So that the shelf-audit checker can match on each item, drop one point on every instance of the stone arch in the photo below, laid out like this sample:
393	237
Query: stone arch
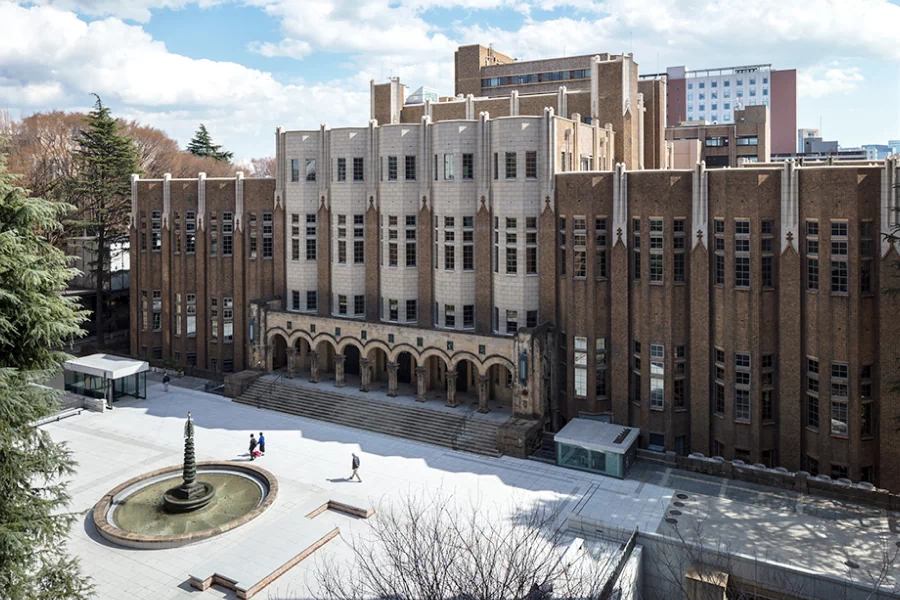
406	365
464	355
501	382
427	353
298	335
379	357
496	359
325	346
274	331
467	373
373	345
278	351
341	345
399	349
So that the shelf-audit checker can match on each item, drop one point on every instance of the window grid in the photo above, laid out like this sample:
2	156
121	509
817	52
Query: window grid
656	251
812	255
839	257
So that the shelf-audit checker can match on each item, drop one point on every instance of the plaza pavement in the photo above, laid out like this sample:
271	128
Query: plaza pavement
307	457
310	456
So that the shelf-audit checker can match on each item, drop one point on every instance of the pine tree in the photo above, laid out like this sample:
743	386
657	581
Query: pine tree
35	320
106	160
202	145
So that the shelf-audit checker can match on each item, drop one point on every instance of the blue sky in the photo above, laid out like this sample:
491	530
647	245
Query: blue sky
244	67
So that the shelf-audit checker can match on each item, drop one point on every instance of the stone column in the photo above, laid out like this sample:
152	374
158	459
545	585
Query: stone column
392	379
365	373
451	388
420	384
314	367
339	370
483	387
291	356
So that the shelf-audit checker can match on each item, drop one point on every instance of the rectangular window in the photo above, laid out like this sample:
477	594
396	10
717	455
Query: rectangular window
411	314
496	167
600	361
839	257
657	372
449	316
469	316
768	405
636	250
311	237
448	167
342	304
359	305
358	170
600	256
342	169
512	263
392	168
510	165
468	166
720	398
359	252
512	322
268	228
227	234
531	164
295	170
155	231
312	301
190	232
295	300
410	168
579	233
656	250
580	366
531	318
449	257
812	411
742	254
310	169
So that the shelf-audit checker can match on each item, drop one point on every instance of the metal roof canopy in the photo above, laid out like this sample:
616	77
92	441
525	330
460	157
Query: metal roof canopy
597	435
106	365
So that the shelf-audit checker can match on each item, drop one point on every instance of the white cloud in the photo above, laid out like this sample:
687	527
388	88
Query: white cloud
820	81
136	10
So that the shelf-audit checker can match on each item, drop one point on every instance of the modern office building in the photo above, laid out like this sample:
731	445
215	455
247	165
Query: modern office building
712	95
732	312
747	139
802	134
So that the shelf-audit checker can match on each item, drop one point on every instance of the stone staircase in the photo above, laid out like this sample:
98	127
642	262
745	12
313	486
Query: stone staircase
455	431
546	453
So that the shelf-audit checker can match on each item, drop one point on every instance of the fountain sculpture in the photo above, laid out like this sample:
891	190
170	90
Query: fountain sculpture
191	494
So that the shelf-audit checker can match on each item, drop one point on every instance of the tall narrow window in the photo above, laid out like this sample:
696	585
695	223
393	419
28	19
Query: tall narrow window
177	221
359	305
742	387
295	300
143	218
342	169
531	164
719	231
342	239
311	236
228	319
468	244
531	247
512	253
812	392
839	257
720	381
679	242
411	311
579	241
449	173
310	169
812	255
155	231
214	319
657	376
600	366
840	397
636	250
213	234
742	254
190	232
600	256
510	165
157	310
191	312
656	250
468	316
295	170
177	314
295	236
496	166
449	316
227	233
358	171
410	168
267	229
512	322
636	371
767	248
562	246
359	243
312	301
468	166
580	366
342	304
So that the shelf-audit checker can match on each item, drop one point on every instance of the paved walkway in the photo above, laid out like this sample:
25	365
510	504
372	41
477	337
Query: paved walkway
307	457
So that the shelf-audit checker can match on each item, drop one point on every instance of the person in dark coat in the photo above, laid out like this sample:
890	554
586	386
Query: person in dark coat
262	443
253	444
166	382
355	465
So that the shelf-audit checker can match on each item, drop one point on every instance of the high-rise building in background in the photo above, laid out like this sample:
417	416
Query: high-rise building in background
712	95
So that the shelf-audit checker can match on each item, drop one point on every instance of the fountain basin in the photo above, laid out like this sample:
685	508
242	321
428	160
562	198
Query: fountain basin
134	514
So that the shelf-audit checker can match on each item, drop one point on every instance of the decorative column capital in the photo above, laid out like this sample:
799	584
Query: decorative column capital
339	358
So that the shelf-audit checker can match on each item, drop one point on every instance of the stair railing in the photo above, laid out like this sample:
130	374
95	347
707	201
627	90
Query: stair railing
461	428
269	389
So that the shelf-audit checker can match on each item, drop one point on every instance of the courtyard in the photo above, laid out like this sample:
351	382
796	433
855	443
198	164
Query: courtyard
312	458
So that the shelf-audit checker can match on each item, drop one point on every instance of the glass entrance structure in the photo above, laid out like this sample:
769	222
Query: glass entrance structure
597	447
106	376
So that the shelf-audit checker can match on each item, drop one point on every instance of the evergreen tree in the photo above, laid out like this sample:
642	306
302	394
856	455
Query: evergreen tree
202	145
106	158
35	319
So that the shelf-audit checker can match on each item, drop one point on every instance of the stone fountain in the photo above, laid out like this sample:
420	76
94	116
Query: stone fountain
191	494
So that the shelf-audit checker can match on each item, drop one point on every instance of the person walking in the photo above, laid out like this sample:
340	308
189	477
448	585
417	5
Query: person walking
166	381
262	444
253	444
355	465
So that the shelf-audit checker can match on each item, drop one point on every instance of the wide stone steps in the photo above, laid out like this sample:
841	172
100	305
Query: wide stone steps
419	424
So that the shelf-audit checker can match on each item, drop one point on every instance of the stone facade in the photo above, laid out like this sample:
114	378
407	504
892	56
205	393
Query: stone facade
747	140
519	258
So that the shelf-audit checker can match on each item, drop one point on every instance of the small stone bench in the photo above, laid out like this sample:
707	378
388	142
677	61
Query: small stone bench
262	558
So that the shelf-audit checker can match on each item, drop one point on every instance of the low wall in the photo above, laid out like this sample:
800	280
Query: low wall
666	560
237	383
800	482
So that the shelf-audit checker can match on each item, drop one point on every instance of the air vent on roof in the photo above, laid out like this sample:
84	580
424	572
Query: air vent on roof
622	435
